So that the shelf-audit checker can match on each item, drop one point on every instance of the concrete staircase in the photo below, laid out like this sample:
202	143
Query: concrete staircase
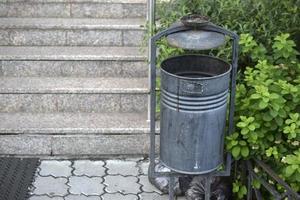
73	80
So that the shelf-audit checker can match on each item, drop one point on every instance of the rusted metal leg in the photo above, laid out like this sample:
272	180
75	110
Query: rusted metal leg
207	187
171	188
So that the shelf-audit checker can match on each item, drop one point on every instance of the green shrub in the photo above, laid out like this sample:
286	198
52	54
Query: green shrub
268	90
262	19
267	108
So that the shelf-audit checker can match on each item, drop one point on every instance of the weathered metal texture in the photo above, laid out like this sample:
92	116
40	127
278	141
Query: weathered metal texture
196	40
194	93
152	66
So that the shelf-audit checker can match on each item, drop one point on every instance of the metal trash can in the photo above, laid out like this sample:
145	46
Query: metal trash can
194	93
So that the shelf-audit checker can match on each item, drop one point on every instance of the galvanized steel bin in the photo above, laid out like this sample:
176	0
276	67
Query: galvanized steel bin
194	91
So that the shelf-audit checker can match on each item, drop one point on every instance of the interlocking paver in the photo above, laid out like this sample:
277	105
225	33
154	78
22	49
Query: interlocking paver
86	185
144	167
82	197
153	196
124	180
50	186
45	198
124	185
55	168
147	186
122	167
119	197
89	168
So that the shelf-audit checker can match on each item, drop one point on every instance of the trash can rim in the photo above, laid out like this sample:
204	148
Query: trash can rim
193	78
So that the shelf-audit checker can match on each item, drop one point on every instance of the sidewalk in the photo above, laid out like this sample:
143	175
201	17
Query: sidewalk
94	180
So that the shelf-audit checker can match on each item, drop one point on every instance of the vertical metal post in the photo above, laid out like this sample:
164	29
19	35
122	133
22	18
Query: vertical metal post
152	101
151	21
207	187
171	188
249	194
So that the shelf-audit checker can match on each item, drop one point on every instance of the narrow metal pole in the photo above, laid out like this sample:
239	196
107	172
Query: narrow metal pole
207	187
249	194
151	24
171	188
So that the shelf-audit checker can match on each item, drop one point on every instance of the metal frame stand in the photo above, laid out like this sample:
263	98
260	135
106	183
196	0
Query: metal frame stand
172	195
153	56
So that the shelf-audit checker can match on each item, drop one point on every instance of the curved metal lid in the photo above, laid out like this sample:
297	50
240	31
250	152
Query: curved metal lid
196	39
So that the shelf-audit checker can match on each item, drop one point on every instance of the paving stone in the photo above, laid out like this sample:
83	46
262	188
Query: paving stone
134	69
101	145
4	36
134	103
89	168
23	9
72	53
85	185
55	168
155	196
45	198
42	103
117	124
144	167
122	167
124	185
51	186
134	10
25	145
133	38
147	186
118	196
37	37
82	197
95	38
74	68
3	10
97	10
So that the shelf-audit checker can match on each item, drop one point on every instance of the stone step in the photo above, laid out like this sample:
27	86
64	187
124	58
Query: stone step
71	32
74	134
45	95
73	62
70	68
55	53
74	8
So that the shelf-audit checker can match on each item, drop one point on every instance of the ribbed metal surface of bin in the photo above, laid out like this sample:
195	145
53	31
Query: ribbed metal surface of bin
194	93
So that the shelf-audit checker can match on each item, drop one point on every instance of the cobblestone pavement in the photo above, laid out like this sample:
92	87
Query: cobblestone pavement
94	180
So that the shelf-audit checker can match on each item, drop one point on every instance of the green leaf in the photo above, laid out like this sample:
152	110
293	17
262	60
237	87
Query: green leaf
279	121
241	124
282	113
274	96
255	96
289	171
244	131
256	184
273	113
262	105
245	151
236	151
235	188
267	117
251	127
242	191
